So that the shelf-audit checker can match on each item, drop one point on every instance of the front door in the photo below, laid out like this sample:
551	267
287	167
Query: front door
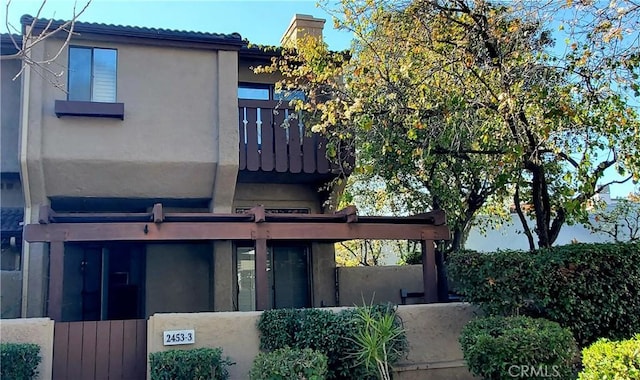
288	277
103	282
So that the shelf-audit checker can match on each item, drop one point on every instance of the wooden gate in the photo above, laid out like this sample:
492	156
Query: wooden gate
100	350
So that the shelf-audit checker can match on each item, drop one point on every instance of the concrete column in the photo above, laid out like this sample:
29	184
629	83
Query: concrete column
224	281
323	272
224	184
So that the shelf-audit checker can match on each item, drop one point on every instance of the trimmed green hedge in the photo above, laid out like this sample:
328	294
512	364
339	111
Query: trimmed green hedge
192	364
289	363
517	347
612	360
592	289
322	330
19	361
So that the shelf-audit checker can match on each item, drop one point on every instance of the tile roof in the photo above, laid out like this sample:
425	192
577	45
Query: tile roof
11	221
233	39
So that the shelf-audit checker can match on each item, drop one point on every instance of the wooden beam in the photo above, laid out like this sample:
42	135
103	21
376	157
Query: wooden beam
437	217
262	284
56	273
139	231
258	213
429	275
44	214
158	215
351	212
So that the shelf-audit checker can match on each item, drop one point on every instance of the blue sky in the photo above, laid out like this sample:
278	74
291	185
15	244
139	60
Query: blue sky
261	22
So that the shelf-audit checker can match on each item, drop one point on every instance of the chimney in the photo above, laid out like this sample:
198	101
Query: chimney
300	26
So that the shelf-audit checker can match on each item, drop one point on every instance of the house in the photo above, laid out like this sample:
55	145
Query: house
12	202
158	177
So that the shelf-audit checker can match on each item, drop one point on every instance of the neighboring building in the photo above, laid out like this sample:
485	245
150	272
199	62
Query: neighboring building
150	165
11	199
511	236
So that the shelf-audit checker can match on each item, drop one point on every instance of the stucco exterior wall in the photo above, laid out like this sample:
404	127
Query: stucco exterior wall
32	330
169	136
10	293
323	272
377	283
274	195
234	332
432	332
9	116
179	278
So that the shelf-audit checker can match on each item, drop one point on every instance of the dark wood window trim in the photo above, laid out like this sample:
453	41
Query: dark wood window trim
90	109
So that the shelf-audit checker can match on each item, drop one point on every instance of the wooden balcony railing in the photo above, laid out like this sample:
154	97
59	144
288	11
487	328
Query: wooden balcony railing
268	145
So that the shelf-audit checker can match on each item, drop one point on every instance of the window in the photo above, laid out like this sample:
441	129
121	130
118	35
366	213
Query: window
257	91
287	275
92	74
254	92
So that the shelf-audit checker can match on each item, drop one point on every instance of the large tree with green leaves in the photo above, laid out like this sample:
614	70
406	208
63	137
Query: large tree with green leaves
464	105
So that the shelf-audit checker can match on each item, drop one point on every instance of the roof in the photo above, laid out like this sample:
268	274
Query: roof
11	221
7	43
229	40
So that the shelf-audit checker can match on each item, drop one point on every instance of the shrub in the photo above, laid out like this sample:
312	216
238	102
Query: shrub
380	339
289	363
501	283
322	330
19	361
592	289
193	364
611	360
507	347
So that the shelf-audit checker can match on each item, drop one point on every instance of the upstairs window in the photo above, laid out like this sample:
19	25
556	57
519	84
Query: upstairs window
92	74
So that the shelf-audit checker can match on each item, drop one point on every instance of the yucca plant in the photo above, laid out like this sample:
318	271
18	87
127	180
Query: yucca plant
379	338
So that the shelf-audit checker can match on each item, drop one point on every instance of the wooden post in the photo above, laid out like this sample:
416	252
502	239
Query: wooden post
56	273
429	274
262	285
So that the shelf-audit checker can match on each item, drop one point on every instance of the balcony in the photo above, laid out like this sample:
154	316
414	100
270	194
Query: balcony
271	151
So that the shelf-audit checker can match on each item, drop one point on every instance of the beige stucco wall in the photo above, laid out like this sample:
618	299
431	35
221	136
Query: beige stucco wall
432	332
377	283
32	330
10	293
9	116
323	272
234	332
175	105
179	278
274	195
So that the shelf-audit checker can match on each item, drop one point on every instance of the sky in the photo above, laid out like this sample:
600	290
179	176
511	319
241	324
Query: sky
260	21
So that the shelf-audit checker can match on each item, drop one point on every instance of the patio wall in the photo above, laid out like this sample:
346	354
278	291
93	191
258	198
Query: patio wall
358	285
32	330
432	331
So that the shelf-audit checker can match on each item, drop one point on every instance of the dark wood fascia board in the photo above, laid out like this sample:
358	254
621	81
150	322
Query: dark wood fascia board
231	41
167	42
89	109
167	231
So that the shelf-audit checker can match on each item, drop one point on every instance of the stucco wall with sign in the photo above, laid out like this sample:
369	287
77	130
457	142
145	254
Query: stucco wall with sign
432	332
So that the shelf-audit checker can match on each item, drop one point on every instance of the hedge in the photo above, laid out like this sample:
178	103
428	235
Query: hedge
322	330
19	361
612	360
289	363
192	364
517	347
592	289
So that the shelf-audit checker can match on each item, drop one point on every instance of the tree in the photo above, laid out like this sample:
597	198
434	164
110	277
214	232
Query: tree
620	221
463	105
25	38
